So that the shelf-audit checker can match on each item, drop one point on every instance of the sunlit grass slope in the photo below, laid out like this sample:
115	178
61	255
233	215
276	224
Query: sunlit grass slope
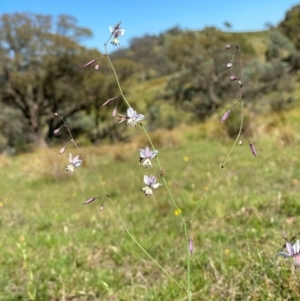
55	248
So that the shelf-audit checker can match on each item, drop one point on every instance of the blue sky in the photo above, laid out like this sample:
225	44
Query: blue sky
140	17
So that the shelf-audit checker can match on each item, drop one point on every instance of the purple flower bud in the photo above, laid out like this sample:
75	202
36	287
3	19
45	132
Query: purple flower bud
62	150
233	77
90	200
109	100
225	116
90	63
241	139
191	246
56	131
114	113
252	149
228	46
229	65
97	67
56	114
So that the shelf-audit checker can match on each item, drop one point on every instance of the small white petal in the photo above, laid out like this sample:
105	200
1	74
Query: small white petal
151	180
74	159
289	248
155	185
69	169
147	152
131	112
131	121
296	247
111	29
115	41
139	117
154	154
297	261
147	190
142	153
147	163
146	180
77	163
284	254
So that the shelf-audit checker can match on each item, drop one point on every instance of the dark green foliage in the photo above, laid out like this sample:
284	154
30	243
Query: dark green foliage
278	46
203	83
41	72
290	26
150	52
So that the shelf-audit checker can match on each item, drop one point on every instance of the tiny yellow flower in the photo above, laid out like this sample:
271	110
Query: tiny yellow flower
186	158
227	251
22	238
1	204
177	211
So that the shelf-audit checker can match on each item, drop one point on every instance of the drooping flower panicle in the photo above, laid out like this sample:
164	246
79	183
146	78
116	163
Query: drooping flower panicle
292	251
132	117
150	181
146	155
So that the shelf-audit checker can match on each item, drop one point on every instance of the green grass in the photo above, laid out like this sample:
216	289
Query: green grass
78	252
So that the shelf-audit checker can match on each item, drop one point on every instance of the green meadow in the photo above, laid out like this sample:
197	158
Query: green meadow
55	248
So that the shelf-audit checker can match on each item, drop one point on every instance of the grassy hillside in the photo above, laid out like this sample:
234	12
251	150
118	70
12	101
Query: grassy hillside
55	248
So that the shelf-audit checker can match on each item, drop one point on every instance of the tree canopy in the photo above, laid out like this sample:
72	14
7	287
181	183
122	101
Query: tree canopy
41	73
290	26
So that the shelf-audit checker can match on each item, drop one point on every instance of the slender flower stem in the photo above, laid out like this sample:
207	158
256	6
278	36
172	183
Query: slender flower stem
189	295
145	131
188	256
120	216
223	164
160	167
116	76
184	223
271	264
233	145
188	292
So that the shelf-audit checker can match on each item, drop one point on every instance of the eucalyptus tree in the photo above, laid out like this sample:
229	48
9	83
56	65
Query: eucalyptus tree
41	72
